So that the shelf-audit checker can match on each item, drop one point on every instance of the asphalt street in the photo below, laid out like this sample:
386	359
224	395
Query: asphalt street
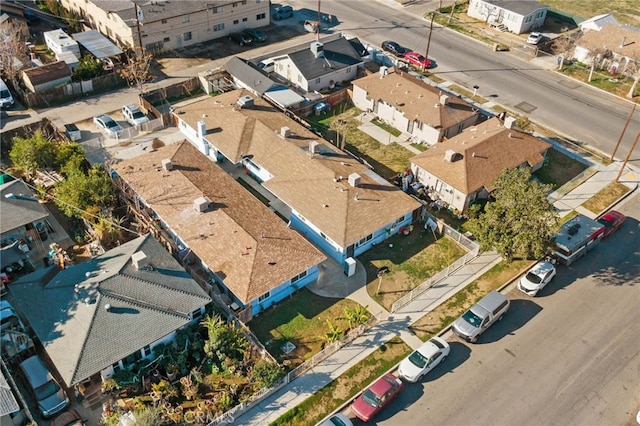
570	356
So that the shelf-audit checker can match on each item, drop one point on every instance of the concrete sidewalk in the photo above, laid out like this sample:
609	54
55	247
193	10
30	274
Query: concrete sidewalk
334	284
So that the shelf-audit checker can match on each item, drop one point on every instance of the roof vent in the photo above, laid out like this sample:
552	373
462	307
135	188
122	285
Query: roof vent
245	101
450	155
201	204
107	307
317	49
285	132
573	229
354	180
167	165
11	195
139	260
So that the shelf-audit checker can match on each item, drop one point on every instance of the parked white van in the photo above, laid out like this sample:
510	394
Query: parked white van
476	320
6	99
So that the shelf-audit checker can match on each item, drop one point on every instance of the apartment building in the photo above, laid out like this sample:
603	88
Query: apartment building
165	25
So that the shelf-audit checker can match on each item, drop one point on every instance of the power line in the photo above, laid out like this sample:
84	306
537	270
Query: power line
103	218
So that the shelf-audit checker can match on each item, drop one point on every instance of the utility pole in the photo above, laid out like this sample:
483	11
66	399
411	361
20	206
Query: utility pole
623	131
319	20
633	146
138	14
433	15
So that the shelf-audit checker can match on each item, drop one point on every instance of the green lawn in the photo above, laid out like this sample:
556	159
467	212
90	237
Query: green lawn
301	320
346	386
559	169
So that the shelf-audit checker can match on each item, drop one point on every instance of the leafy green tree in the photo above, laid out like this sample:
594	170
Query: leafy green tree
267	373
224	341
356	316
334	334
521	222
88	67
32	153
69	152
79	191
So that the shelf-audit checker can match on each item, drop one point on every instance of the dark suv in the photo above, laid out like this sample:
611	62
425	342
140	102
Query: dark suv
243	39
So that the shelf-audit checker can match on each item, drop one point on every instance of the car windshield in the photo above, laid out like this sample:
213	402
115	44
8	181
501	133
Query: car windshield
370	398
137	114
4	93
534	278
418	359
337	421
110	123
605	222
10	322
472	318
46	390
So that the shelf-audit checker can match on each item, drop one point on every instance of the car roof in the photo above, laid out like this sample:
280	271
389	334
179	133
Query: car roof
131	106
428	349
104	117
612	215
542	267
381	386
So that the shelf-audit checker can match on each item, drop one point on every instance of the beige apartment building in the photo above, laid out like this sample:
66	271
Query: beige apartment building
164	25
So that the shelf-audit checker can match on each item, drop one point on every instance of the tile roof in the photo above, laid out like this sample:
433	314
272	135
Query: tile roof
305	184
68	311
416	99
338	54
250	248
487	149
48	72
611	37
21	208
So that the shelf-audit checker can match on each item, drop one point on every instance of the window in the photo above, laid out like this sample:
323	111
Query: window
131	359
317	81
264	296
298	277
164	21
245	19
218	27
236	22
116	367
166	39
348	69
299	78
261	16
187	36
146	351
196	314
217	9
235	4
185	19
398	221
364	240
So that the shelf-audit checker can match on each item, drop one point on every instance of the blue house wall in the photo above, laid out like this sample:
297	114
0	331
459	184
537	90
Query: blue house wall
283	291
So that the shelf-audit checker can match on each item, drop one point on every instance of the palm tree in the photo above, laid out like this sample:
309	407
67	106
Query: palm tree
356	316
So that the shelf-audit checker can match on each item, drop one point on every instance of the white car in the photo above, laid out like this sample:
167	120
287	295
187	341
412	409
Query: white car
107	125
133	115
423	360
337	419
534	38
537	277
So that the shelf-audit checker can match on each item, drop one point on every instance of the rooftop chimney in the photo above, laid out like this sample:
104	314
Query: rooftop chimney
313	147
383	71
354	180
201	204
508	122
450	155
139	260
623	40
317	49
167	165
285	132
443	99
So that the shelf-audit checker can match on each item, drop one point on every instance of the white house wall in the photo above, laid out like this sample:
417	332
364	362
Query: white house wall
514	22
450	195
287	70
179	31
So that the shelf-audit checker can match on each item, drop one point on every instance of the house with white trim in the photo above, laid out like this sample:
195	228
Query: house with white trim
517	16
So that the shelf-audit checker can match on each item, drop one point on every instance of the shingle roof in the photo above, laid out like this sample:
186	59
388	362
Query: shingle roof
47	73
416	99
311	186
240	239
21	208
611	37
486	149
338	54
250	76
521	7
68	311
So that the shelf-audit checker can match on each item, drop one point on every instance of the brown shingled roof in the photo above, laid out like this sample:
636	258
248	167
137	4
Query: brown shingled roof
486	149
416	99
611	37
240	239
49	72
311	186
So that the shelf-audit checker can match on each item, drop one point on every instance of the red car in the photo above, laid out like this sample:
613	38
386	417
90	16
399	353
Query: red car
611	220
376	397
414	58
